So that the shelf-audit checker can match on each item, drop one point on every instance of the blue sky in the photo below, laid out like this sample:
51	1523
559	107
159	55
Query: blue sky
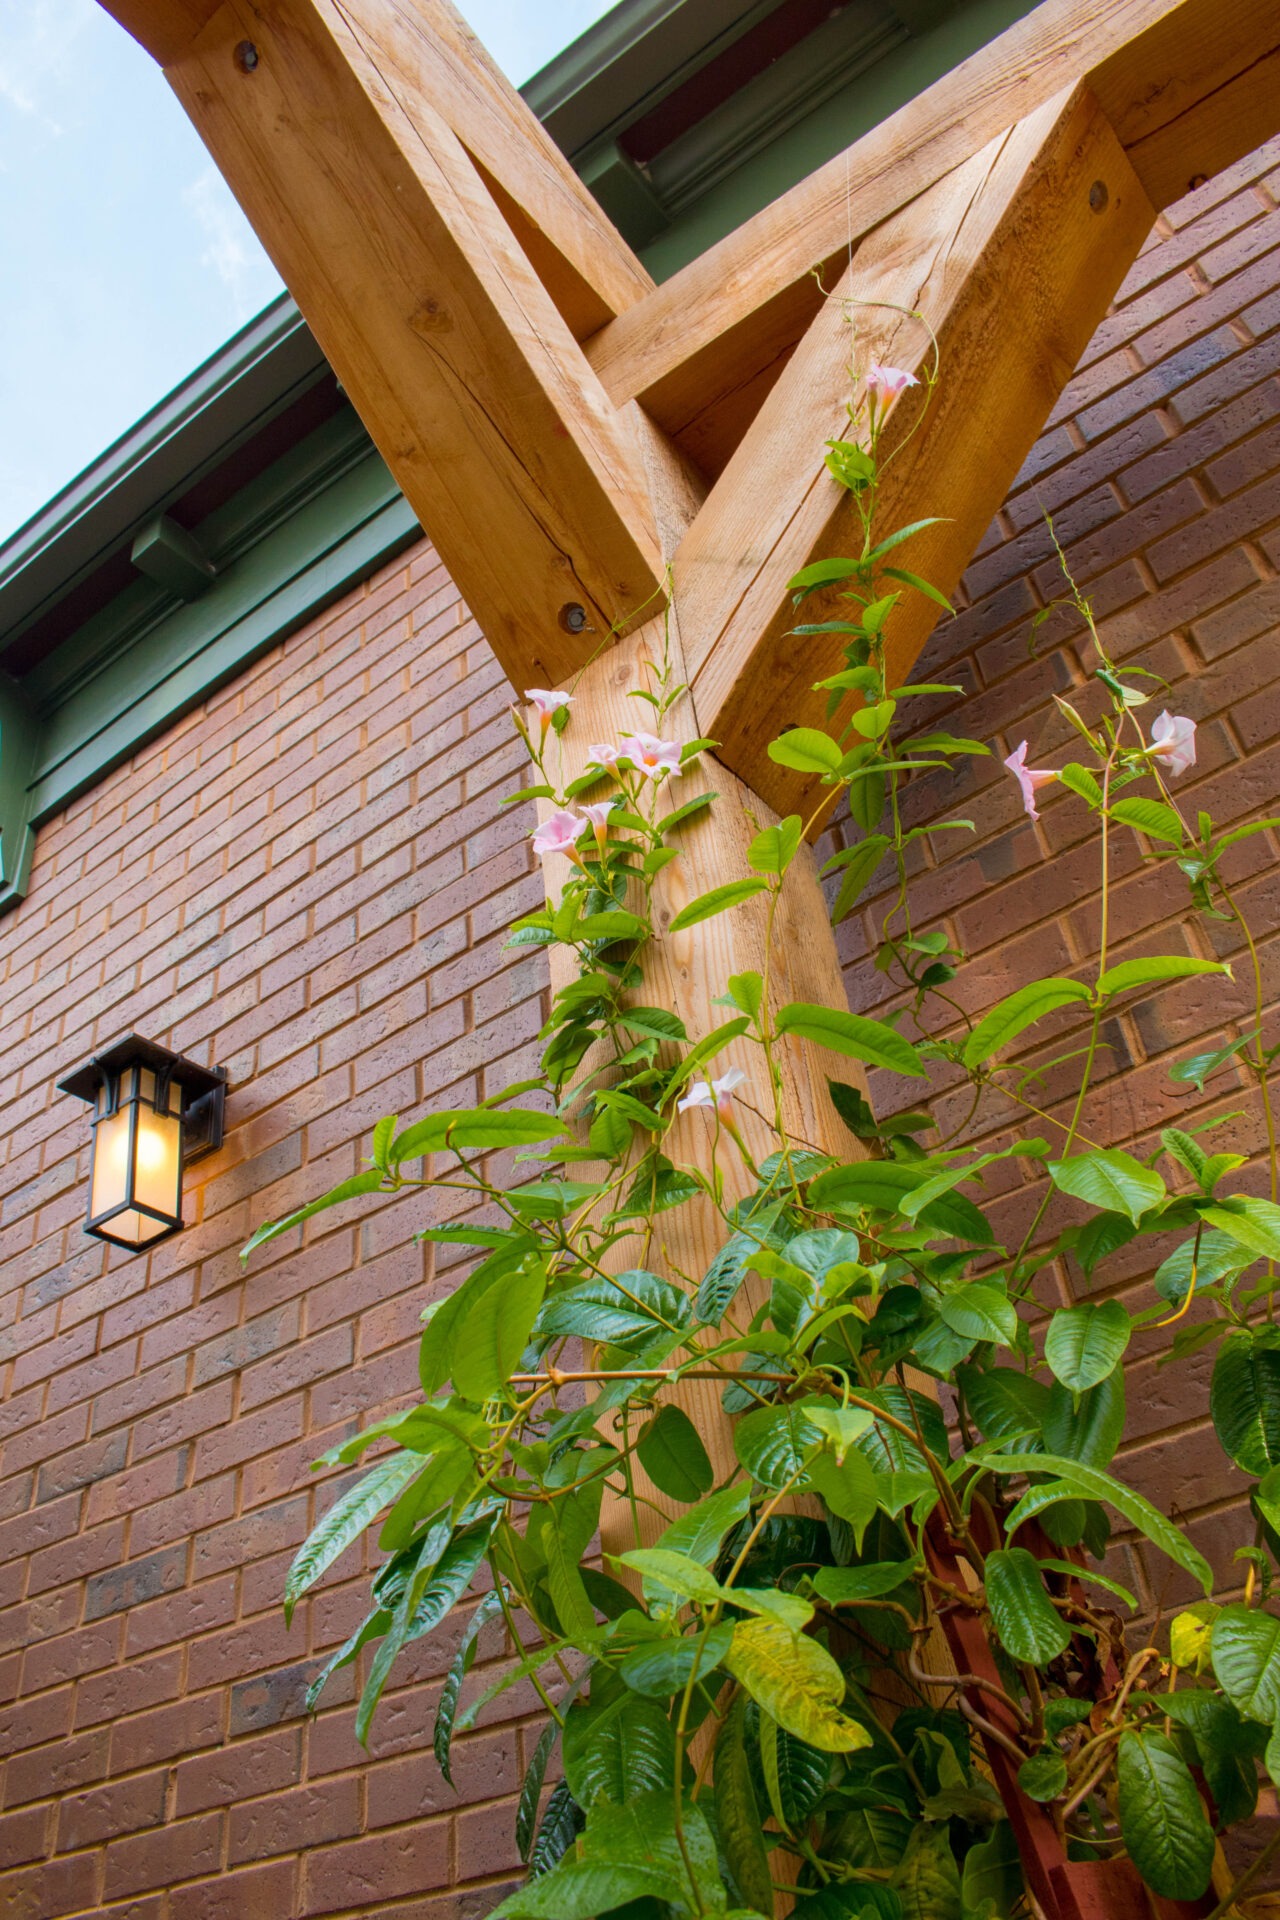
126	261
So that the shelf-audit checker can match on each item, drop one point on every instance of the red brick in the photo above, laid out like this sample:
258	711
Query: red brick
310	1817
125	1806
183	1850
380	1868
260	1893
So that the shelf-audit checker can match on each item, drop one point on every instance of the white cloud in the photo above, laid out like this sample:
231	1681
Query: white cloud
37	41
232	250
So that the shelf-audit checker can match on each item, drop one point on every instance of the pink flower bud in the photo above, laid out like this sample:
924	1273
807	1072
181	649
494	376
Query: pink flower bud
598	814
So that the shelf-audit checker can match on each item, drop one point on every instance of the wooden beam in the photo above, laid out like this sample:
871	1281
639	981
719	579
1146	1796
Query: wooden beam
164	28
431	315
430	53
1189	86
1011	260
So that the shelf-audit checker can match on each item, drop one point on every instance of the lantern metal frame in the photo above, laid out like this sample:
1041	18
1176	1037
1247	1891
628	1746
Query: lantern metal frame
200	1114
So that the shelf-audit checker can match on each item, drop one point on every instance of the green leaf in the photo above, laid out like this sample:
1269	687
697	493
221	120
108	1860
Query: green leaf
1086	1426
718	900
773	849
1163	1823
925	587
567	1528
1228	1748
677	1572
823	573
618	1750
1005	1404
1029	1625
846	1586
674	1457
531	1789
1244	1398
1044	1776
1254	1224
723	1277
896	538
1012	1015
859	863
1151	817
991	1880
618	1309
980	1311
874	1041
1110	1180
706	1049
495	1332
1085	1343
433	1587
658	1022
699	1532
1079	780
359	1183
773	1443
927	1879
1145	973
883	1184
806	750
474	1129
659	1668
1245	1648
1091	1483
1199	1066
447	1709
797	1682
738	1820
345	1521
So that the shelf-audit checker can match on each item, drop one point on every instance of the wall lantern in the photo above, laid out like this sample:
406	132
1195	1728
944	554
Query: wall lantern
153	1113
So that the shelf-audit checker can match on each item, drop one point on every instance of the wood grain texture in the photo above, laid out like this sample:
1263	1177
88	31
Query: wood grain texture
428	53
163	27
1189	85
1011	260
687	970
450	348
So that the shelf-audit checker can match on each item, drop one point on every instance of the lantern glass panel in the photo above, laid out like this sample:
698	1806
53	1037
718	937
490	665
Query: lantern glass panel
110	1188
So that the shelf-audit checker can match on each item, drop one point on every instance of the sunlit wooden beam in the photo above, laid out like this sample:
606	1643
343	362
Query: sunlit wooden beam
325	117
1189	86
1011	261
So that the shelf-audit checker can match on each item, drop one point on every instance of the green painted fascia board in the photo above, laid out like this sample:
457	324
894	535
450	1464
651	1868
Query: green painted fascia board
256	375
808	142
361	521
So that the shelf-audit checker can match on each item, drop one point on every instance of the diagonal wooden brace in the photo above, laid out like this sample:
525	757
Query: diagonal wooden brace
432	315
1010	261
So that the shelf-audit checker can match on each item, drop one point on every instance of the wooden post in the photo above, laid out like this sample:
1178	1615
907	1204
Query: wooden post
686	970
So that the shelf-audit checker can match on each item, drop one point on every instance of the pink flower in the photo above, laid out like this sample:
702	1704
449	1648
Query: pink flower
658	758
718	1095
1173	737
546	704
604	756
598	814
558	833
886	383
1028	778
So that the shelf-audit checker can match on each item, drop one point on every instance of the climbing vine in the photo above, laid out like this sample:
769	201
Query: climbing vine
744	1701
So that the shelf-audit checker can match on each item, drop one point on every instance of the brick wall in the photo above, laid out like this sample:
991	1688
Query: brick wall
306	881
1161	469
